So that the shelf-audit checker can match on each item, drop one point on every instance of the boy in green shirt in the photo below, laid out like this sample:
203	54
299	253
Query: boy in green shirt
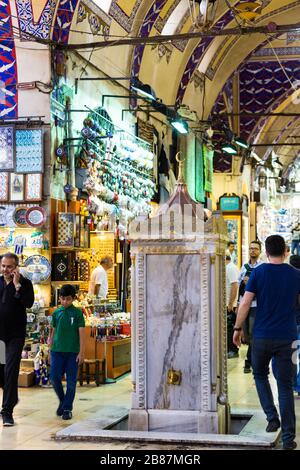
67	349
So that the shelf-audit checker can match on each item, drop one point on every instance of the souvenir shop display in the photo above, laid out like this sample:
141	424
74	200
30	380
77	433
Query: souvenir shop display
238	232
29	151
42	367
19	216
273	221
37	268
19	244
61	267
7	148
65	223
33	187
16	187
4	180
36	216
6	216
107	336
119	173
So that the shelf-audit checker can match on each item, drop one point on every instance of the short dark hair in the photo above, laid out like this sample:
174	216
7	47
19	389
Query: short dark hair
228	258
12	256
275	245
230	243
257	242
295	261
106	260
67	290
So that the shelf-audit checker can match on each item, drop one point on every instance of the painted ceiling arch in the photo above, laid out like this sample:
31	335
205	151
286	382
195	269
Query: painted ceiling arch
57	18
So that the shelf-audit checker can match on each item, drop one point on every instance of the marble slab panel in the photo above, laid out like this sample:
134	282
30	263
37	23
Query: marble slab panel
173	312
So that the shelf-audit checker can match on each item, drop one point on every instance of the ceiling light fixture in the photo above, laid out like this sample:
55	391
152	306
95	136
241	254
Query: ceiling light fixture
241	142
180	125
229	148
143	89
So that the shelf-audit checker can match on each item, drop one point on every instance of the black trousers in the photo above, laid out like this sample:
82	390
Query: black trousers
231	317
10	373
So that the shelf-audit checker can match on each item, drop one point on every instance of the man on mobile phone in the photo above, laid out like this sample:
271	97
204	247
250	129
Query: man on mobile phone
16	294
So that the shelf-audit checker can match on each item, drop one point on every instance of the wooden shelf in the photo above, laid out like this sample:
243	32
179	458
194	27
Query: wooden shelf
23	228
59	283
24	248
69	248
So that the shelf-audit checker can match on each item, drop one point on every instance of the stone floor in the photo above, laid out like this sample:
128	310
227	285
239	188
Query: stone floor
36	422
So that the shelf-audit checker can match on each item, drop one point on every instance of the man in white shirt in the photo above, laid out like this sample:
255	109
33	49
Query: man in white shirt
232	286
99	282
231	251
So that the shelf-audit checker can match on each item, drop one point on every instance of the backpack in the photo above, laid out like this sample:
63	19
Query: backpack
242	286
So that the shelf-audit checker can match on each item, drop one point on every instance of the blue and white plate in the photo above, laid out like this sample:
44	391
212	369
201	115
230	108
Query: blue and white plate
37	268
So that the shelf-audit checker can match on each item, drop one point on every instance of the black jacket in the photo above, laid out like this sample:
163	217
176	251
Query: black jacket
13	306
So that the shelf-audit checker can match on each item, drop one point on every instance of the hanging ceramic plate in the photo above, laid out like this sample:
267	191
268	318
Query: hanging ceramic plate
19	216
36	216
37	268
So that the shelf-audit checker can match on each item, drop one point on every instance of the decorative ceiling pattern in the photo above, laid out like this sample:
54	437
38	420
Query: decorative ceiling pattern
261	122
222	161
97	18
279	136
222	53
162	20
146	27
198	53
8	65
121	17
27	22
63	20
262	83
280	51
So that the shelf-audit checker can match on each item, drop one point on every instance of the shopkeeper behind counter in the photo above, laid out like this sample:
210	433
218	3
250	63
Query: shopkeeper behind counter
99	282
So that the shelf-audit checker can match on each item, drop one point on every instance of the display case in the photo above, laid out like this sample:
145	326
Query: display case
238	232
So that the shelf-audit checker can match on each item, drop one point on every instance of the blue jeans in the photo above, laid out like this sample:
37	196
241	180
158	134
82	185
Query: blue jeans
297	377
64	363
263	350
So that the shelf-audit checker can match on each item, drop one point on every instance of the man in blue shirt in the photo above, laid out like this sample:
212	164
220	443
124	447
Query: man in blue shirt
276	286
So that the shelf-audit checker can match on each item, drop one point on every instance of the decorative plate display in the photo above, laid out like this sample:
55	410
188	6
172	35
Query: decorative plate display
6	216
36	216
19	216
37	268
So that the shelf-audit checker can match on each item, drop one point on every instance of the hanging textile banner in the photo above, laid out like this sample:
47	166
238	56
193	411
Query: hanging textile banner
199	173
208	156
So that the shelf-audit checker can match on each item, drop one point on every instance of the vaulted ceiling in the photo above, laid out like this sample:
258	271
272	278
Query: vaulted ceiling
248	74
235	73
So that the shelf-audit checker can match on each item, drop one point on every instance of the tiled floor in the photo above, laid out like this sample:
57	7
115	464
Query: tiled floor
36	422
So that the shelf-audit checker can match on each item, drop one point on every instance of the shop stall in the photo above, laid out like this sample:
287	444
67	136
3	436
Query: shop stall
235	213
114	179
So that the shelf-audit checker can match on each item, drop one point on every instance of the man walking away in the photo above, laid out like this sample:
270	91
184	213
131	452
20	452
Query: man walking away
276	286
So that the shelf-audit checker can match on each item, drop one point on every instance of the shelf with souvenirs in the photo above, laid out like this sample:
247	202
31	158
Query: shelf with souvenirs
118	173
272	221
35	364
107	335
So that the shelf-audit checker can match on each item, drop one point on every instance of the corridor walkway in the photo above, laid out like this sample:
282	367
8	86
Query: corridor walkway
36	422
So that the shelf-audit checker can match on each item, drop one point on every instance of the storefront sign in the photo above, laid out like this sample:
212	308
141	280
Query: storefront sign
229	203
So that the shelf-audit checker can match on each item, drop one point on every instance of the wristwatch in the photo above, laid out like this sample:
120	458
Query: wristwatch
237	329
18	286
